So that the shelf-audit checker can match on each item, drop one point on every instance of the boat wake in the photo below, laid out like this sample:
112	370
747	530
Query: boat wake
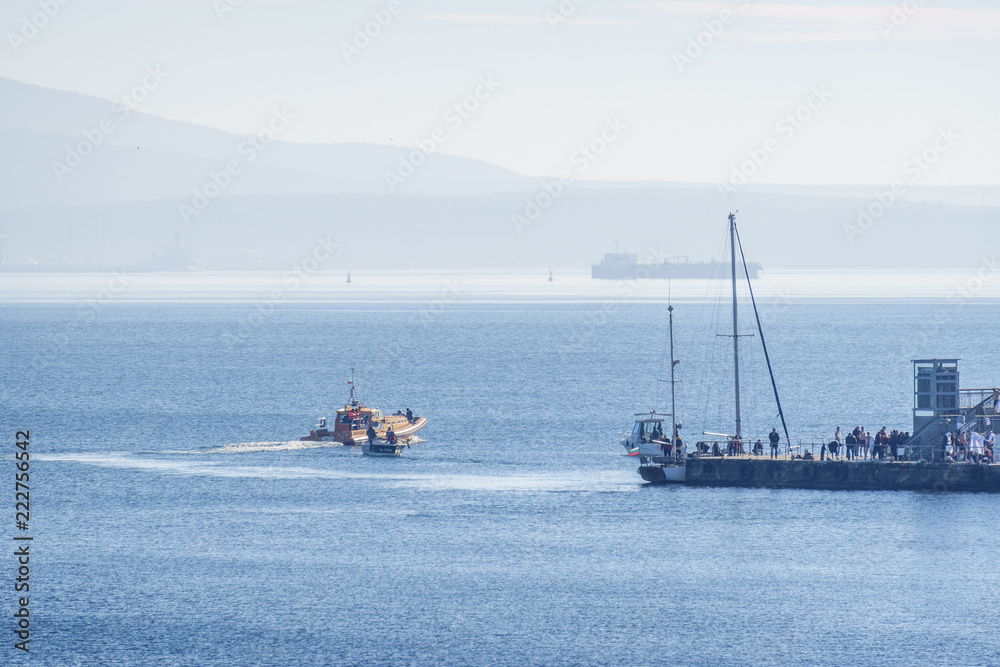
602	481
253	447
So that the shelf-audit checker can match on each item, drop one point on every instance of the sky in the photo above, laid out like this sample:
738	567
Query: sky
686	91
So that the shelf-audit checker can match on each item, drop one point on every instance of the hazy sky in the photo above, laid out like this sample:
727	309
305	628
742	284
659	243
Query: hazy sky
882	82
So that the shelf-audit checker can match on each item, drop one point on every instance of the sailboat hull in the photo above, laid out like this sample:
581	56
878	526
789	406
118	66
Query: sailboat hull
665	474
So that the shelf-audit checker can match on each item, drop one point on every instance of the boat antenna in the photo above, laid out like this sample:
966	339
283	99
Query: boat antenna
351	383
736	335
763	344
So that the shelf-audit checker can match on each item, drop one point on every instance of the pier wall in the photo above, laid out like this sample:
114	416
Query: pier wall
842	475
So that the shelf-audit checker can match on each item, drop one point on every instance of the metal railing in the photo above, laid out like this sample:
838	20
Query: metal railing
815	447
746	450
973	398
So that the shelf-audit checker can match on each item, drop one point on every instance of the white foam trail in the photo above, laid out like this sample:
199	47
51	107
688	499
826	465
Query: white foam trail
209	468
251	447
599	481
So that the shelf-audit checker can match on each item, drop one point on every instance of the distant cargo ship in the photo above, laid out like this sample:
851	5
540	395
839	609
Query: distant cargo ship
626	266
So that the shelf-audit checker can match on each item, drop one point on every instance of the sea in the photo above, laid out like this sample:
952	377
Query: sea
178	520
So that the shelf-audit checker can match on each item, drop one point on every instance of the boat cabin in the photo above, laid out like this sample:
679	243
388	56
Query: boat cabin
354	418
646	437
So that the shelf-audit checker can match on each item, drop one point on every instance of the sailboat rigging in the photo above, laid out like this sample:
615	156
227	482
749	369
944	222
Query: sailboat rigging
661	461
760	330
736	242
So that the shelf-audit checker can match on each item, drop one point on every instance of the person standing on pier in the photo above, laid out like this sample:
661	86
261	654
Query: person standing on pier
774	438
834	446
963	449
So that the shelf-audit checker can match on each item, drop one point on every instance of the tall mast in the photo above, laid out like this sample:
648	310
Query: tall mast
673	362
736	335
353	402
763	343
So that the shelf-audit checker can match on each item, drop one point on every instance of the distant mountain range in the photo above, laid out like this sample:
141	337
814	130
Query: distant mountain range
72	193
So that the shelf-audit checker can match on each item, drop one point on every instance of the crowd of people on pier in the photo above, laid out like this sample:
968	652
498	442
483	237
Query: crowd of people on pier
968	446
735	447
861	444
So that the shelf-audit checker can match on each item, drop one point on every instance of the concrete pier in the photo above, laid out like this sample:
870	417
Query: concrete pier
842	475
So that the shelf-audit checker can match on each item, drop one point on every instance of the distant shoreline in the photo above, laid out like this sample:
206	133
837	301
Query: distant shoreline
466	286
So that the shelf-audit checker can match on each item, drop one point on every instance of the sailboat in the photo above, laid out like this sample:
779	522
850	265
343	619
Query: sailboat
660	464
661	460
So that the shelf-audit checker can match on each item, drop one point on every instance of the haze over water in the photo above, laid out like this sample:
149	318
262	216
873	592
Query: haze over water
211	213
979	282
179	520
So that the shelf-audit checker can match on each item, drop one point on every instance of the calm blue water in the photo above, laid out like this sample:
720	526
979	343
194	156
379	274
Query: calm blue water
173	527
